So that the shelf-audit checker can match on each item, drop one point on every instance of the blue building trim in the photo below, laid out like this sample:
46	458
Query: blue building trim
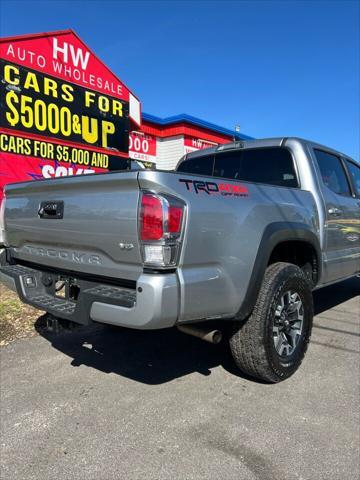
183	117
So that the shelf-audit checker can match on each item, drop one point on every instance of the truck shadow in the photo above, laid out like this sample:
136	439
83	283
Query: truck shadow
334	295
156	357
150	357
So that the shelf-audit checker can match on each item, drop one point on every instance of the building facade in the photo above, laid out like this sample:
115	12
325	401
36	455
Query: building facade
163	141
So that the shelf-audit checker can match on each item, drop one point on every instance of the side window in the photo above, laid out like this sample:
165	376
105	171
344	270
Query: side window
354	171
272	166
332	172
201	165
227	165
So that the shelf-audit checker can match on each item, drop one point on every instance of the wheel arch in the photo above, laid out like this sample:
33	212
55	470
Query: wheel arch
274	236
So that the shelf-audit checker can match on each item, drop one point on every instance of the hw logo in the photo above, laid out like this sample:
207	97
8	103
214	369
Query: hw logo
65	51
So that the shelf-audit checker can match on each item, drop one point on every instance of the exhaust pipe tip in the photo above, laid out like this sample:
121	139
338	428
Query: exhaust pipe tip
216	336
208	335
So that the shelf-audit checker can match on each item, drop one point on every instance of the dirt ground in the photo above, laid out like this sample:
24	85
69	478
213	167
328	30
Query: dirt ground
17	320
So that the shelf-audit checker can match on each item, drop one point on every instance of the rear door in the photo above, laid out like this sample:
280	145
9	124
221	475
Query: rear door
341	254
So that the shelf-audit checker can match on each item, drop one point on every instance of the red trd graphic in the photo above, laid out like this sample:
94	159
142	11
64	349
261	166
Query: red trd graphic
210	188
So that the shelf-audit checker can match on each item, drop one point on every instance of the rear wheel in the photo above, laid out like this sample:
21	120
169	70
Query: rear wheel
270	345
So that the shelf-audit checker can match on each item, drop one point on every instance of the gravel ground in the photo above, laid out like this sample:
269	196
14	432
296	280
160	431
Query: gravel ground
113	405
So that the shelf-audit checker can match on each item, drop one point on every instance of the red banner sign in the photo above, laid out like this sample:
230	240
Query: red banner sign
142	147
56	95
66	57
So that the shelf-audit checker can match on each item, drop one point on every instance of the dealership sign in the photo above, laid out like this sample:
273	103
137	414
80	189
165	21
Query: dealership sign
192	144
62	111
142	147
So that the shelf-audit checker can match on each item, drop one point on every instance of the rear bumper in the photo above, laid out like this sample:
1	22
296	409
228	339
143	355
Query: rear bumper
156	305
152	305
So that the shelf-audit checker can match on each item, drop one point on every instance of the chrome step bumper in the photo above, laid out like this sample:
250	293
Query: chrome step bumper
152	305
37	288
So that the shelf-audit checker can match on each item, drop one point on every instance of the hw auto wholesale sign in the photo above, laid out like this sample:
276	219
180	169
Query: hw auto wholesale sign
62	111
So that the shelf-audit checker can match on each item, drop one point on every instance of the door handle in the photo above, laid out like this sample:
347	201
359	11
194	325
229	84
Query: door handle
336	212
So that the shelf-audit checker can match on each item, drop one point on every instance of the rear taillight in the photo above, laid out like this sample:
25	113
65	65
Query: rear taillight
152	218
175	218
160	227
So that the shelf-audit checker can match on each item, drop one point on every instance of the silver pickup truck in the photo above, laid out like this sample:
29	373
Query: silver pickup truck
238	237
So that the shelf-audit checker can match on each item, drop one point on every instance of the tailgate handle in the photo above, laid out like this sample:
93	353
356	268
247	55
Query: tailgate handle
51	209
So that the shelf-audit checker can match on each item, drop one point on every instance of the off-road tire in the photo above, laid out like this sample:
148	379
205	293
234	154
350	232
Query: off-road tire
252	345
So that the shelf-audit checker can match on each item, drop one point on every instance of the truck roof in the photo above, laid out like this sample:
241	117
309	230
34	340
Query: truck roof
262	142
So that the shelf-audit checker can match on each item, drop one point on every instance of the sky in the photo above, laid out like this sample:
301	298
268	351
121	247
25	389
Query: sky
276	68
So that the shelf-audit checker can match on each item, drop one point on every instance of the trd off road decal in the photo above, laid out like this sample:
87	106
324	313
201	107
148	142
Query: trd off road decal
210	188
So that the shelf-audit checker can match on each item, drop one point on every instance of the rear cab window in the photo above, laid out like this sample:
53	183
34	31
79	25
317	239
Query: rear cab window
197	166
270	166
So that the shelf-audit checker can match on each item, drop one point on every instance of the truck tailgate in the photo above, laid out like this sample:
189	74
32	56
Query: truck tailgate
93	230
